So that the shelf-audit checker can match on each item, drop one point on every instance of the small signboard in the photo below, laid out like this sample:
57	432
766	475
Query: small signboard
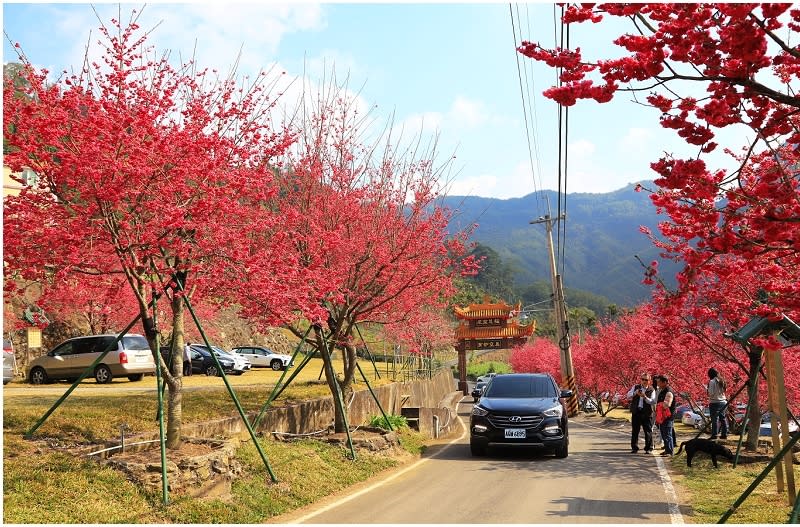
492	344
495	322
34	337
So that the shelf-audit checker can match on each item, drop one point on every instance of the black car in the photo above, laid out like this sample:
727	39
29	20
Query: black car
202	362
521	409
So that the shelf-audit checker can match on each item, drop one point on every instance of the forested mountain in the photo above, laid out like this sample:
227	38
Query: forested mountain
602	237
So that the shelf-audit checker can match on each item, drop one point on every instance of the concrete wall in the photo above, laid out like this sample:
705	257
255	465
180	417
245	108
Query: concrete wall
434	397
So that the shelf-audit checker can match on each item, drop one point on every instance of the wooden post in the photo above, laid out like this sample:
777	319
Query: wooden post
462	368
776	391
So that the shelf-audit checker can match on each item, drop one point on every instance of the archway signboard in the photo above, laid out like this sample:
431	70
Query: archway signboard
487	326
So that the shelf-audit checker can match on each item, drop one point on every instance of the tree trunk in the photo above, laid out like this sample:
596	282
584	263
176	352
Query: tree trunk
175	386
754	418
323	344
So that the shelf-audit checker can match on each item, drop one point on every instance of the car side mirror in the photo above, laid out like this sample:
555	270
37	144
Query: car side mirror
566	394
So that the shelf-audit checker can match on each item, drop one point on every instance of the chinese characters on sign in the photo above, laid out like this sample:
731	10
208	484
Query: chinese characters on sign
489	322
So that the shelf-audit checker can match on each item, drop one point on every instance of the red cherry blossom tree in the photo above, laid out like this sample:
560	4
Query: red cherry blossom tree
538	355
738	53
145	171
366	233
721	225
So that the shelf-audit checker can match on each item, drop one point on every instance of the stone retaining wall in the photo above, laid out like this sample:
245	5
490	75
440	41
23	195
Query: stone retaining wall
433	396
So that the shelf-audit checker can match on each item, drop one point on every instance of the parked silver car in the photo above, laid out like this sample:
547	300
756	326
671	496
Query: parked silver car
9	361
131	358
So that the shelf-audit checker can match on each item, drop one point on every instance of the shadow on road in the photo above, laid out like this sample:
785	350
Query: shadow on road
580	506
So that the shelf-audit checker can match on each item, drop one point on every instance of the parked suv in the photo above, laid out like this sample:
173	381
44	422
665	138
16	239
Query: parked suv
520	409
261	356
131	358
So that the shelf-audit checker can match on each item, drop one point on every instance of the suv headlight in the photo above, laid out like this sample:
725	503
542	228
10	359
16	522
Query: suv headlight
477	410
555	411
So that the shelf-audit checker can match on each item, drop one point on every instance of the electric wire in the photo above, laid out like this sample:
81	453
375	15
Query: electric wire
522	96
563	223
536	141
530	89
560	142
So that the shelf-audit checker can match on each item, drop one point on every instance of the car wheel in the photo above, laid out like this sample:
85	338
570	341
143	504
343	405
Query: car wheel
212	371
102	374
135	377
563	450
38	376
477	449
276	365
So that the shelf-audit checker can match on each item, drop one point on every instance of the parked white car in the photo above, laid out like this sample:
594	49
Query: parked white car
260	356
9	361
692	418
766	428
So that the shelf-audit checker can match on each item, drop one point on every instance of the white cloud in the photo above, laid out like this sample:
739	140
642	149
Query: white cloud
637	139
483	185
467	113
581	150
421	123
215	33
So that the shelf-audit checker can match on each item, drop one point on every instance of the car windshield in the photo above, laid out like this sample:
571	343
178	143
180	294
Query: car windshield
520	387
135	342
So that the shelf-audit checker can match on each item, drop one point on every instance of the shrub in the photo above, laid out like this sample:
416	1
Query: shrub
397	421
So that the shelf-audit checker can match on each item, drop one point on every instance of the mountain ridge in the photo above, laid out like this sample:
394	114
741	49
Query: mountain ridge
602	236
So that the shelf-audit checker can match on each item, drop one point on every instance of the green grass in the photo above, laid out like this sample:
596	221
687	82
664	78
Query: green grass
476	369
712	491
44	483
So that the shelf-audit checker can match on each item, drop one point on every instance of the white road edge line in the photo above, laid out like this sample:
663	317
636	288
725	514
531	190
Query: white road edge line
388	479
676	518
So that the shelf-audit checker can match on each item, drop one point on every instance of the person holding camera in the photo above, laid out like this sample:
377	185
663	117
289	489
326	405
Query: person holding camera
642	398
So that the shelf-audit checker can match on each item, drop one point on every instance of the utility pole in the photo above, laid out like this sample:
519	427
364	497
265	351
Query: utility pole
562	319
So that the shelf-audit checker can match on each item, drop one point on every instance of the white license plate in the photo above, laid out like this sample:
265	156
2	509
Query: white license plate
515	433
143	358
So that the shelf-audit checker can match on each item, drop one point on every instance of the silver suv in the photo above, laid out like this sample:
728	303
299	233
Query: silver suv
132	358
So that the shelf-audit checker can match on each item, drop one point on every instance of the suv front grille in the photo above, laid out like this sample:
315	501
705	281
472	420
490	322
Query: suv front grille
504	421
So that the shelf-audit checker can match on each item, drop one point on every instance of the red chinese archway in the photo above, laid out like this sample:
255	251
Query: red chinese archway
486	327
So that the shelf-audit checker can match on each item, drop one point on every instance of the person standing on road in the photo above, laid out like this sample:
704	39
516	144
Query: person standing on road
641	397
665	414
717	403
187	360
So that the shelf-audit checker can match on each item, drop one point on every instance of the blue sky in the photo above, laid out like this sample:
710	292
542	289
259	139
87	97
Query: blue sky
448	68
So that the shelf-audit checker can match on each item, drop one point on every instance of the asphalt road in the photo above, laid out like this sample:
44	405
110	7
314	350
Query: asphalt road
600	482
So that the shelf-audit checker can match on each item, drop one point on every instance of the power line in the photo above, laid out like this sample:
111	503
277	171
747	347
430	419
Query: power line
524	109
532	98
566	174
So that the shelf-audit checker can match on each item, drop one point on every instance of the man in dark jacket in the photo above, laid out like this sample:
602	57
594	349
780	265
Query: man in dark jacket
666	402
642	399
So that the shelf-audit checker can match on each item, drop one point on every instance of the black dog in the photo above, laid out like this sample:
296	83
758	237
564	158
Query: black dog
708	446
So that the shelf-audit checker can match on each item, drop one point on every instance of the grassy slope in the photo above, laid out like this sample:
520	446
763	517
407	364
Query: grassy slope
44	484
